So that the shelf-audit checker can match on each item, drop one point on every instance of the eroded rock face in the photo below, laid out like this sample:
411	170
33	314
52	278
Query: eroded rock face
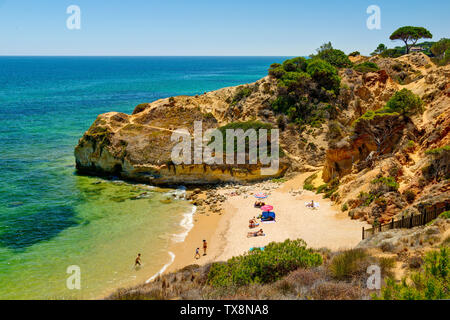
138	147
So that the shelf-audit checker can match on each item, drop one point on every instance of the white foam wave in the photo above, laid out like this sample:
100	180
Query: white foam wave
187	223
172	258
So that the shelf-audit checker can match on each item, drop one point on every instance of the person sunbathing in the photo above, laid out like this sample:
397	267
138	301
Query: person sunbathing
310	205
258	233
259	204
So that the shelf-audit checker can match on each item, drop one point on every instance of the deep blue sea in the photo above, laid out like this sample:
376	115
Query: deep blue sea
51	218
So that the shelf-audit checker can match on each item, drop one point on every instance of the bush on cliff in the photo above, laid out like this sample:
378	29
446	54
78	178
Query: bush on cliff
405	102
335	57
242	93
324	74
305	88
267	266
366	67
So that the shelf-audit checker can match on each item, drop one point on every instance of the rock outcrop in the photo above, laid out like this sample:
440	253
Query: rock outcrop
138	147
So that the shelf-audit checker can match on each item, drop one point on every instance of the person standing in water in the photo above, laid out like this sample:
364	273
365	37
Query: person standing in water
137	262
205	245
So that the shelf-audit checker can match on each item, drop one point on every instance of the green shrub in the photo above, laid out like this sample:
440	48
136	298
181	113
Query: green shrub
324	74
344	207
242	93
267	266
366	198
441	50
445	215
409	196
336	58
389	182
366	67
393	53
404	102
354	54
307	184
345	264
430	283
329	188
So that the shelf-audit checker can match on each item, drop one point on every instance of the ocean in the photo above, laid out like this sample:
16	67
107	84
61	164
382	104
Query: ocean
50	217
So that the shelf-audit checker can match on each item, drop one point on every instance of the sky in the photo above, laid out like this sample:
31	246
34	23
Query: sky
209	27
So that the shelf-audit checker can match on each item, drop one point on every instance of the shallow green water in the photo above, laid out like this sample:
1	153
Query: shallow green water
51	218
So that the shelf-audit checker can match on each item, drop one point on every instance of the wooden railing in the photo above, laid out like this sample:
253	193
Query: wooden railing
428	213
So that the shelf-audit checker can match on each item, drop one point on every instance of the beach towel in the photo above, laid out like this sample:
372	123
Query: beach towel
256	248
272	221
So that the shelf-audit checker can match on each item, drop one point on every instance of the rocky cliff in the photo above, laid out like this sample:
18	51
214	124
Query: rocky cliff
414	160
138	146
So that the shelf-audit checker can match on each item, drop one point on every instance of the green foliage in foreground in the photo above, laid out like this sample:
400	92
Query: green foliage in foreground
269	265
430	283
366	67
347	263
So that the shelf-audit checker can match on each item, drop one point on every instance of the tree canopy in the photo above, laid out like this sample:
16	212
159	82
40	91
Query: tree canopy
410	35
380	49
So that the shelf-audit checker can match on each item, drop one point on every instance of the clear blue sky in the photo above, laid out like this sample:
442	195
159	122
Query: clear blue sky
208	27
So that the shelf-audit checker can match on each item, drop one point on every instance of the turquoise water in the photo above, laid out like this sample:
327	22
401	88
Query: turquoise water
51	218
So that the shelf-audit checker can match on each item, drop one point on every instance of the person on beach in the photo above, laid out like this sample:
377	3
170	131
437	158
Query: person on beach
311	205
253	223
137	262
260	232
197	253
205	245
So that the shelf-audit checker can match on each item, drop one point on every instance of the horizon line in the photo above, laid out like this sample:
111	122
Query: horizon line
159	56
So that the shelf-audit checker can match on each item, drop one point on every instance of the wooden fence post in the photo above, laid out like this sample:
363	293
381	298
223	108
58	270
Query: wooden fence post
392	223
363	233
411	221
403	222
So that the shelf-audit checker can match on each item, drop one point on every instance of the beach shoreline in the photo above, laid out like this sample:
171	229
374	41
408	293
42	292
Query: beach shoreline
226	230
224	225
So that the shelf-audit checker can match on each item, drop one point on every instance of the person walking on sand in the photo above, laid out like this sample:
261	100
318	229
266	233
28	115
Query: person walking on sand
197	253
205	245
137	262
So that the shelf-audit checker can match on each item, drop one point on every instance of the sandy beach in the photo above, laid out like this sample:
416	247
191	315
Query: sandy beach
226	233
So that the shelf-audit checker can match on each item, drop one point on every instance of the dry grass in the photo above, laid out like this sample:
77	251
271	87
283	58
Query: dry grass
342	277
